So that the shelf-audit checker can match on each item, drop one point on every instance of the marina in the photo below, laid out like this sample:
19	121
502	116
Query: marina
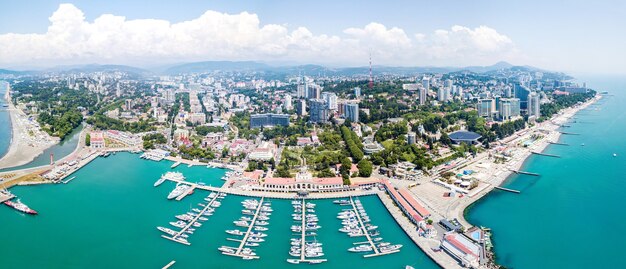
143	245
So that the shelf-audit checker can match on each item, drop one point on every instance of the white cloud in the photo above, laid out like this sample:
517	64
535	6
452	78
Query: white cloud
220	36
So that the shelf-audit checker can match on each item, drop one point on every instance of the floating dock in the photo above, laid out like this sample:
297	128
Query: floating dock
545	154
525	173
509	190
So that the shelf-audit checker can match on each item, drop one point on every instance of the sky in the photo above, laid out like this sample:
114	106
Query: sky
570	36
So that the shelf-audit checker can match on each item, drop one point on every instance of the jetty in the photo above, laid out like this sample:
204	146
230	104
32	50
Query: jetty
507	189
525	173
169	265
303	239
6	196
68	181
557	143
176	237
568	133
243	241
175	165
545	154
367	234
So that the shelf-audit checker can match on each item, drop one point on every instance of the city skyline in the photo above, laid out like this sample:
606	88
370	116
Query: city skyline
331	34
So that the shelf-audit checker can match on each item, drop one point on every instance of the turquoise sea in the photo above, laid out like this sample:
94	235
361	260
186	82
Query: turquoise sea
572	216
107	218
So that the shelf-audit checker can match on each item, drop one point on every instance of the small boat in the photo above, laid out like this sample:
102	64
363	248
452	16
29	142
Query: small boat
251	244
614	154
178	224
175	165
159	181
234	232
262	223
260	228
360	248
293	261
167	230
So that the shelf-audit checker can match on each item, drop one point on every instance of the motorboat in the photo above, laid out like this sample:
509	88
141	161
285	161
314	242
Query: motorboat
234	232
360	248
167	230
180	189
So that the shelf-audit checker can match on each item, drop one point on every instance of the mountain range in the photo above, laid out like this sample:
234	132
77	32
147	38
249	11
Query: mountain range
233	66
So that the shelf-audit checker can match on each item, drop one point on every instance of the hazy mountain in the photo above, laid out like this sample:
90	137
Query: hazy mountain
208	66
97	68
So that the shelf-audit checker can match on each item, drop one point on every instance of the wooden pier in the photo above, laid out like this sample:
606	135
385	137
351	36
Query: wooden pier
509	190
247	234
545	154
194	220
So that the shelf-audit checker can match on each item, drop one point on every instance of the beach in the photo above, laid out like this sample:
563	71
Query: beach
27	139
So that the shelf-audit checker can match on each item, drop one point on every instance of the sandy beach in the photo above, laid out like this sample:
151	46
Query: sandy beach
27	140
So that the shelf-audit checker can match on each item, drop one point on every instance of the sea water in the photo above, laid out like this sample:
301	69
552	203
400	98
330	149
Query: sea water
5	122
573	215
107	217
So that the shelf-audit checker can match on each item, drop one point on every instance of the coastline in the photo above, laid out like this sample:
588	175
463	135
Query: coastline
27	142
506	170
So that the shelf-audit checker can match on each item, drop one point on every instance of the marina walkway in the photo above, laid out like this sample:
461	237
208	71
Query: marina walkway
176	238
303	238
242	244
366	233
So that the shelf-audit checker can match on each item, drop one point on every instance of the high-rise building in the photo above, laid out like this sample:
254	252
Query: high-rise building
426	83
423	93
357	92
287	103
522	92
448	83
118	90
485	107
268	120
515	107
318	111
505	109
314	91
331	100
351	112
302	90
301	107
534	105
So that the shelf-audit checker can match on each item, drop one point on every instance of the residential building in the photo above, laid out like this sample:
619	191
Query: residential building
268	120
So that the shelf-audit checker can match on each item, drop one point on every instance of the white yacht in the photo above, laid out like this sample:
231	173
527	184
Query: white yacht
180	189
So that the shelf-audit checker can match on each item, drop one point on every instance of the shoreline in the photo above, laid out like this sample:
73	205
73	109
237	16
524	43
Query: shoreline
27	142
552	125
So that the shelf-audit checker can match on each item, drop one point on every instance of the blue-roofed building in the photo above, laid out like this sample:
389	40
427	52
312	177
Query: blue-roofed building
464	137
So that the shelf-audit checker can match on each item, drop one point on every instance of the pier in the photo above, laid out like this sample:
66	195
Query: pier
509	190
243	241
68	181
568	133
557	143
6	196
176	237
525	173
169	265
545	154
303	239
367	234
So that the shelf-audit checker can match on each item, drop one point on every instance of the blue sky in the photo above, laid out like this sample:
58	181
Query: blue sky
571	36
